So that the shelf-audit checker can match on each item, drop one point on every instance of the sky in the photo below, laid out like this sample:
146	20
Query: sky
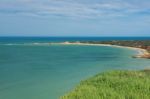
74	17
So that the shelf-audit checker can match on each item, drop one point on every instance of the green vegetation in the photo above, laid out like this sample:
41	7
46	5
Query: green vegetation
114	85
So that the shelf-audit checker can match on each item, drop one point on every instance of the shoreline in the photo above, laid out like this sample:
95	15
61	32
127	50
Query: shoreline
91	89
86	85
142	53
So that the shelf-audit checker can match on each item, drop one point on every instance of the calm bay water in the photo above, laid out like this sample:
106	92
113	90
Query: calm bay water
31	69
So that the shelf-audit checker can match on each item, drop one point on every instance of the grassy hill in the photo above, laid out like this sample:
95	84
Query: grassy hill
114	85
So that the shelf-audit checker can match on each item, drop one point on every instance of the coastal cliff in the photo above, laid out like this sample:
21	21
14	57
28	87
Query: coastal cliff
114	85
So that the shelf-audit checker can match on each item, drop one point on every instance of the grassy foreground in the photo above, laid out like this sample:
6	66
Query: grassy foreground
114	85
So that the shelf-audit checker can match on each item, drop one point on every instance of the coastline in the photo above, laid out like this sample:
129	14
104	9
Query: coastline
142	53
95	86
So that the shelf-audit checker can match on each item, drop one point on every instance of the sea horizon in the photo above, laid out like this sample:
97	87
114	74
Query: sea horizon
59	38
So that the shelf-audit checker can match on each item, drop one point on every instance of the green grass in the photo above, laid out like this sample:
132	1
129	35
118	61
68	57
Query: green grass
114	85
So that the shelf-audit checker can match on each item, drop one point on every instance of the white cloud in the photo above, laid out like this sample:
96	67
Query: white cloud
72	8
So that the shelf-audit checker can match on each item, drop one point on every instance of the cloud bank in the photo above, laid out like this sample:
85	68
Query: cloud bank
76	8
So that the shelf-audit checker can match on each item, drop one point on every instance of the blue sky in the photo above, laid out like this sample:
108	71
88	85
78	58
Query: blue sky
74	17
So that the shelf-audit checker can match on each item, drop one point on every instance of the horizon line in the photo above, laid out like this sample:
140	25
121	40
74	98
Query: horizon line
76	36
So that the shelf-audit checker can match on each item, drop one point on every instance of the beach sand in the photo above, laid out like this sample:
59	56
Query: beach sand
142	53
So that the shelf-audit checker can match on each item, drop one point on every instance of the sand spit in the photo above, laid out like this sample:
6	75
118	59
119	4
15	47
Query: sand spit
142	53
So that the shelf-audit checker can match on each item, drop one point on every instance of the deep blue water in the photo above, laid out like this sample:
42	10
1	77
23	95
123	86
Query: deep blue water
39	71
60	39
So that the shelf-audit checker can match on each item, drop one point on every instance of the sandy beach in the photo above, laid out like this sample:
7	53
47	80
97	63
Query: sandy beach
142	53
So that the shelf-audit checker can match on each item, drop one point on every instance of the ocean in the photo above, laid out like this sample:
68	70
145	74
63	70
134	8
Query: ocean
32	68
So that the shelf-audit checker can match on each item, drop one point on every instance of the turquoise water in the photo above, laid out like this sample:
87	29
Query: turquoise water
49	71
